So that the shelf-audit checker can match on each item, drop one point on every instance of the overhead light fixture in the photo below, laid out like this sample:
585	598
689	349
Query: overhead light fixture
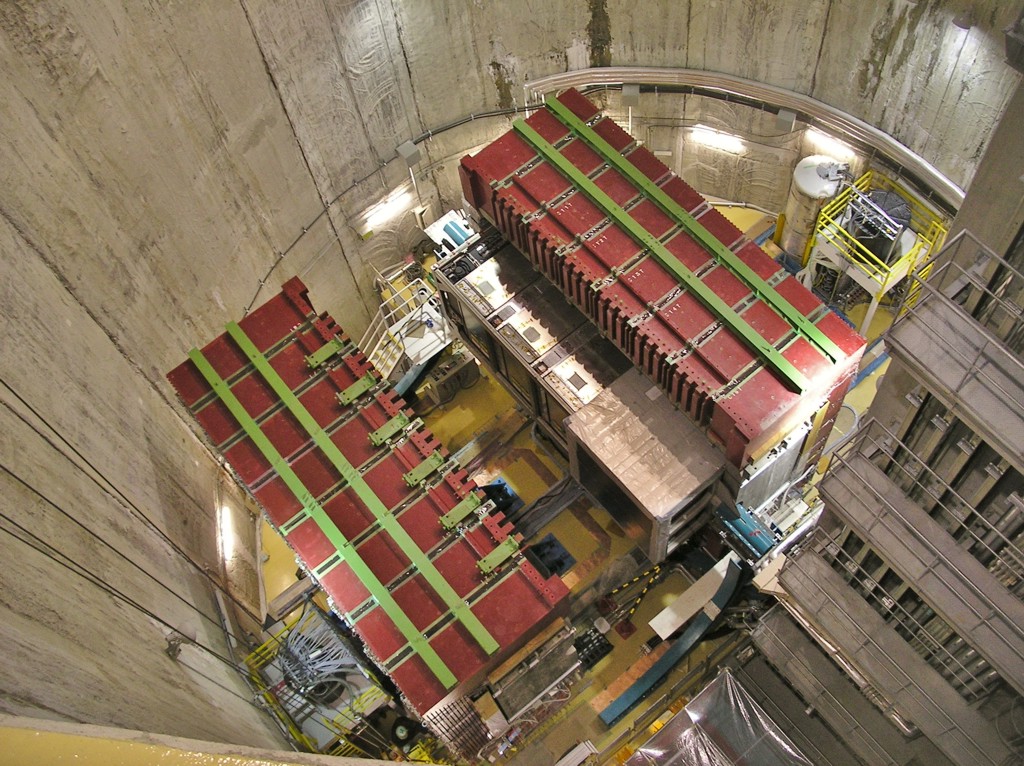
964	20
716	139
823	143
225	533
388	208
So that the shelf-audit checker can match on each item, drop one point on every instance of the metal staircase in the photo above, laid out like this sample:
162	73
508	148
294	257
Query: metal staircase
408	329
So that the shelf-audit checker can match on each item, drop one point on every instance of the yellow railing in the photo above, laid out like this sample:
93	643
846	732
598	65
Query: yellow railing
341	725
259	658
925	223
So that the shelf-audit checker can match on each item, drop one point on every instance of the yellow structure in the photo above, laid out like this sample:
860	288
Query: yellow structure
838	241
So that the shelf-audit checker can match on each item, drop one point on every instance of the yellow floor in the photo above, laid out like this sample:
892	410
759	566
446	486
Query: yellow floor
494	440
751	222
485	414
279	565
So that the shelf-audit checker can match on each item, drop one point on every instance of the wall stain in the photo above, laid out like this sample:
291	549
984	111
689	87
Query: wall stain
914	28
503	83
599	30
895	35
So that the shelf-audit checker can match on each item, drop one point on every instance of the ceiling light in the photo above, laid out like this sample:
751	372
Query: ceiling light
391	206
225	533
826	144
716	139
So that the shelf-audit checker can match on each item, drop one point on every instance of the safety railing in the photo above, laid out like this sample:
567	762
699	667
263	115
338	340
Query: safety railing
971	276
284	702
834	227
385	348
969	286
983	537
932	638
266	695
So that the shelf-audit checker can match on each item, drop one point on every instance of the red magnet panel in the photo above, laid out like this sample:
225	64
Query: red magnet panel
387	557
308	538
457	648
649	281
419	601
348	427
549	127
417	683
720	356
349	513
342	585
612	183
543	183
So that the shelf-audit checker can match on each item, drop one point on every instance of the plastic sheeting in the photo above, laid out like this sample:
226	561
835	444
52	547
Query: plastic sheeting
722	726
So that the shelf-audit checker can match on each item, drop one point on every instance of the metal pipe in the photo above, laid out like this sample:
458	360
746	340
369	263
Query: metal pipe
720	85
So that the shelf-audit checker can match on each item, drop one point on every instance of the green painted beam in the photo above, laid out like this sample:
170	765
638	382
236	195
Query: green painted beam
389	429
430	463
330	530
355	480
728	316
357	389
333	346
464	508
705	238
503	552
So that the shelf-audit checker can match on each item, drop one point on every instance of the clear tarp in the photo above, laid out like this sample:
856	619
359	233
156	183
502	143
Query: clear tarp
721	726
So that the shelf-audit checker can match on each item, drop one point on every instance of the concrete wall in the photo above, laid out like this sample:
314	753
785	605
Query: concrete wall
159	162
994	209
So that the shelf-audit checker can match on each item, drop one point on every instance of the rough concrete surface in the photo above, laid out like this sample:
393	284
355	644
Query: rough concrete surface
163	166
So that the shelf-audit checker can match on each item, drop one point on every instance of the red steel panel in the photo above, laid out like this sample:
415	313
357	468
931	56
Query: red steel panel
287	330
721	227
349	513
419	602
683	347
611	182
648	281
457	648
308	538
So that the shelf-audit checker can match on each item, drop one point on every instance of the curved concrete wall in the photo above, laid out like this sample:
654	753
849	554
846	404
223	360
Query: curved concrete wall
159	161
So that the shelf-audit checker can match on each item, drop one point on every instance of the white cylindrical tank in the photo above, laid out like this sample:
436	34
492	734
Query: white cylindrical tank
814	181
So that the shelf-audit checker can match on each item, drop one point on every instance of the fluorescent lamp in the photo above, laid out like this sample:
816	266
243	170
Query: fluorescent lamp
827	145
225	533
391	206
716	139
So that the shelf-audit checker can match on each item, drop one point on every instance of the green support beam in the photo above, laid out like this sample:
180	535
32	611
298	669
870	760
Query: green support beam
357	389
315	511
389	429
705	238
465	508
725	313
431	463
333	346
502	553
355	480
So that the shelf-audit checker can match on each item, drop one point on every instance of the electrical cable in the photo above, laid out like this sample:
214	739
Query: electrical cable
44	547
104	542
112	488
38	544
